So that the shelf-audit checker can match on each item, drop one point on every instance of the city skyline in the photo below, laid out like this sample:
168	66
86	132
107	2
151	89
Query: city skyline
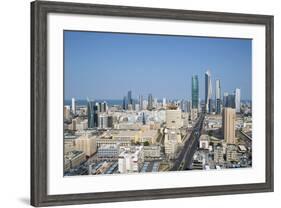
89	75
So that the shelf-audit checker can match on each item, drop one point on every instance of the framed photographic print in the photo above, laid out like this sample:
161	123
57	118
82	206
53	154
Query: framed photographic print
131	103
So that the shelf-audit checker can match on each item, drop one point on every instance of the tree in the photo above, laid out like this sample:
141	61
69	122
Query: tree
146	143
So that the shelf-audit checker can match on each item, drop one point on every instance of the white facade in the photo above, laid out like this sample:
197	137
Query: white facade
164	102
218	89
73	106
237	100
204	142
171	143
208	90
103	121
130	159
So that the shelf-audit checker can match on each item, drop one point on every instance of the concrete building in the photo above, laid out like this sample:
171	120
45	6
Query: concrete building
148	135
231	153
173	119
66	112
218	155
108	151
69	144
204	142
171	143
82	125
73	159
194	114
228	125
132	135
131	159
87	144
152	151
122	142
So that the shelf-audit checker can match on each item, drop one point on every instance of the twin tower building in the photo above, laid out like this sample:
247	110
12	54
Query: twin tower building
214	105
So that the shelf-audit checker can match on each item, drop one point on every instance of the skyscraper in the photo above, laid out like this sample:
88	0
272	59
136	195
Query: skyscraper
230	101
218	96
124	103
150	102
164	102
130	100
228	125
143	119
208	91
102	107
225	95
141	102
195	91
73	106
237	100
92	114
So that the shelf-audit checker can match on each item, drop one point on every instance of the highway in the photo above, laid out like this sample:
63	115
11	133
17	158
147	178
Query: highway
184	160
245	138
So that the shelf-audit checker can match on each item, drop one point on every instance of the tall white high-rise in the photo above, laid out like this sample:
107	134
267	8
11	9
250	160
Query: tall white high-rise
208	91
218	96
237	100
73	106
164	102
218	89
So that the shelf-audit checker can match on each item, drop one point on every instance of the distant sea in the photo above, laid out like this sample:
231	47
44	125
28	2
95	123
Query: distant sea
84	102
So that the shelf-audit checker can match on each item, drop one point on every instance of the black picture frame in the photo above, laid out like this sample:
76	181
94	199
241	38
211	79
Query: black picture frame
39	12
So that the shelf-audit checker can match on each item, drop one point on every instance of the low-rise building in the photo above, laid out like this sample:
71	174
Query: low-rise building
204	141
171	142
108	151
152	151
131	135
87	144
148	136
69	143
122	142
231	153
193	114
73	159
218	155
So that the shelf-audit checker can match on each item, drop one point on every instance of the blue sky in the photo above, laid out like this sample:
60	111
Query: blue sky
107	65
